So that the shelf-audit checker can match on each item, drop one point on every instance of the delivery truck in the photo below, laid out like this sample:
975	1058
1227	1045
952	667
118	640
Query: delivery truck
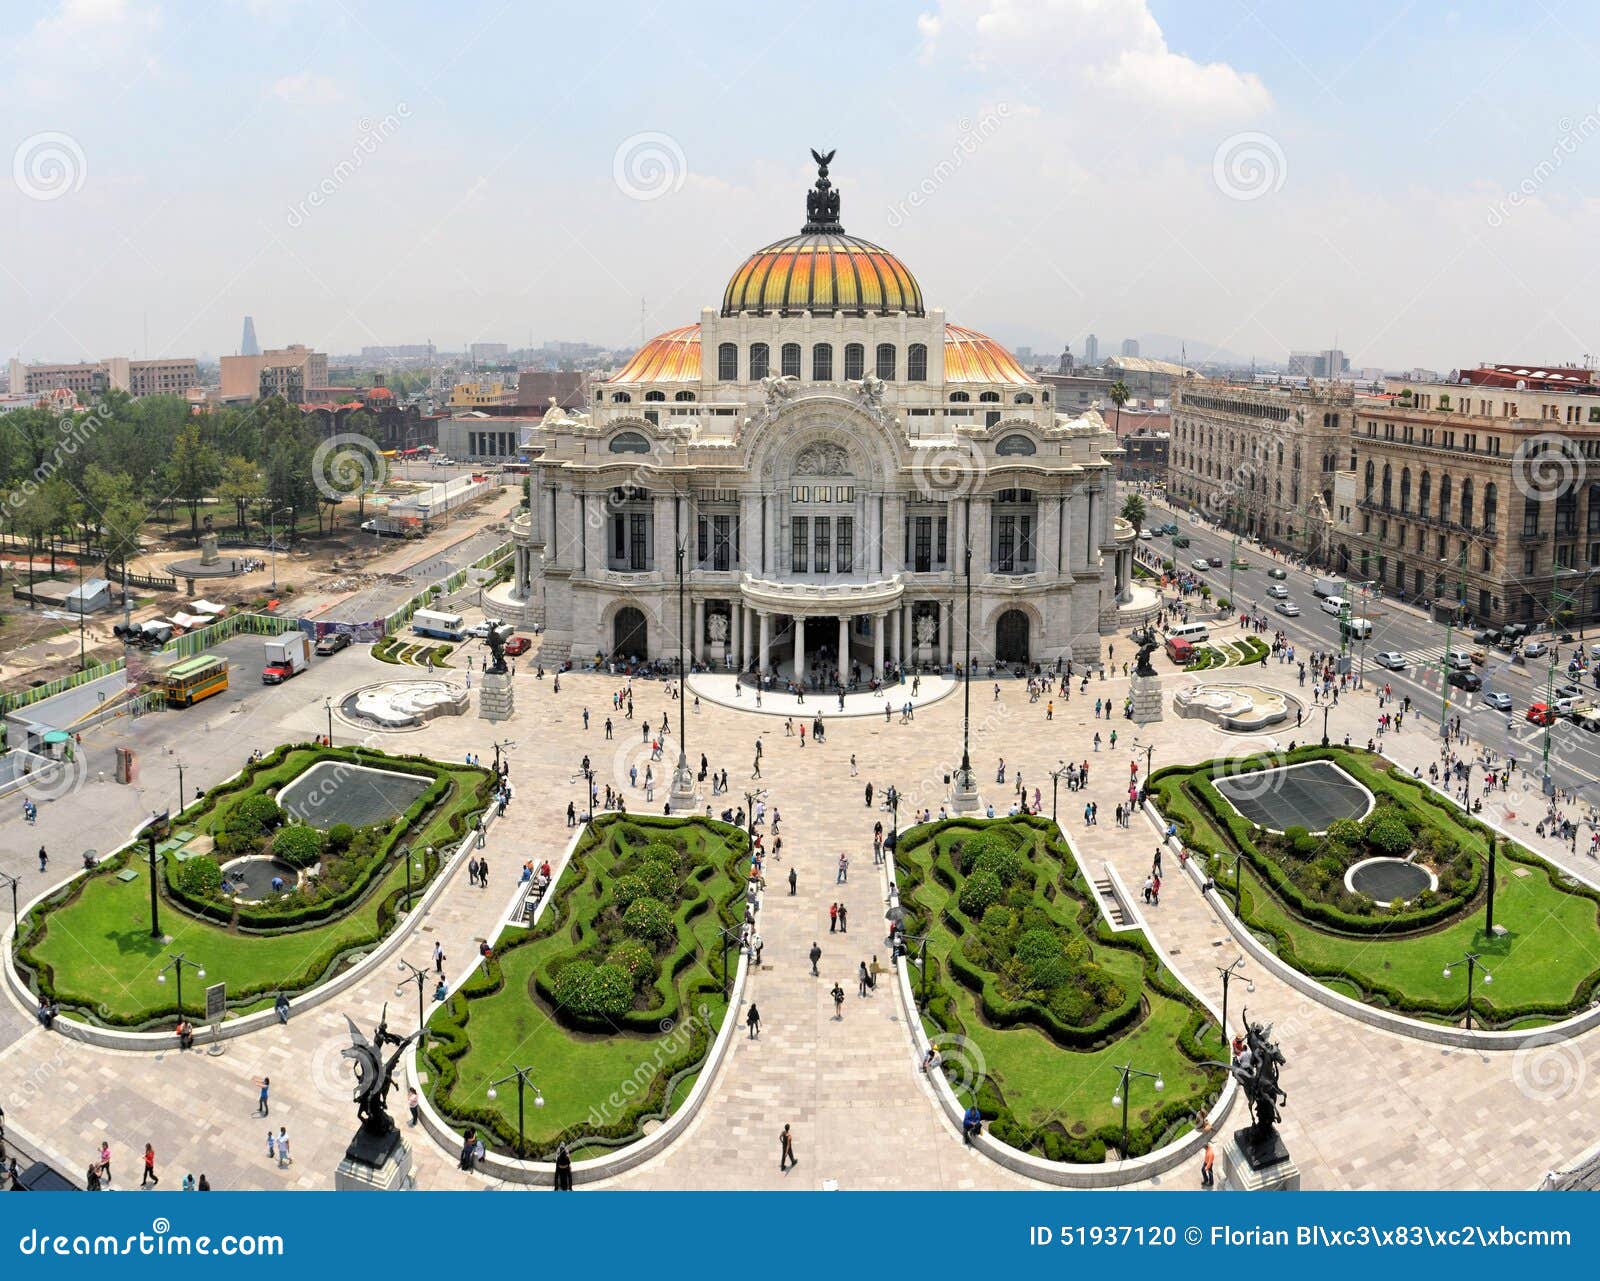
287	656
1326	586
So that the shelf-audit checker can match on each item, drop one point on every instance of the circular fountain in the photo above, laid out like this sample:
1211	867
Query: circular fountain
1237	708
403	704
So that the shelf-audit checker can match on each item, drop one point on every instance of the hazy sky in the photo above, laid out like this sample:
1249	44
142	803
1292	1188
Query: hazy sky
1415	181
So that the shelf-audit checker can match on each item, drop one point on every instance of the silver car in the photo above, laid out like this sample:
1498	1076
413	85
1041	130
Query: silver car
1287	608
1278	592
1498	699
1393	659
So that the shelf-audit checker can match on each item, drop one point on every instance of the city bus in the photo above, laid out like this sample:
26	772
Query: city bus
194	679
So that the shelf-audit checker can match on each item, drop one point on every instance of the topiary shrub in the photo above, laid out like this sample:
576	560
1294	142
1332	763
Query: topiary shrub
648	918
609	990
629	890
662	852
338	839
1346	831
1007	864
257	811
981	892
659	878
1387	833
298	845
1038	944
200	877
634	959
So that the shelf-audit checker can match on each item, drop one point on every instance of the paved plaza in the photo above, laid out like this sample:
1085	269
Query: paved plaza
1366	1108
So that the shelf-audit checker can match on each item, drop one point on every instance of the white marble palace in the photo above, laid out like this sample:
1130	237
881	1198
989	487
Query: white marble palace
826	453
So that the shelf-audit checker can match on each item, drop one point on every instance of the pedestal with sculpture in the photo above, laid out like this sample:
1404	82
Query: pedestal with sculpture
378	1158
1255	1158
1145	690
496	700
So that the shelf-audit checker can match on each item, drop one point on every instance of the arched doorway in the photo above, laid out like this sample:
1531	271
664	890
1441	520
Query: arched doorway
629	634
1011	637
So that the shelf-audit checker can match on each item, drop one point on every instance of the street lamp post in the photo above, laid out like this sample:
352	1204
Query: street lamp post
1473	963
420	978
328	704
176	964
1227	972
272	541
922	964
1326	708
155	829
522	1076
683	794
965	786
1121	1096
750	799
504	745
180	787
1488	916
419	867
1055	783
16	928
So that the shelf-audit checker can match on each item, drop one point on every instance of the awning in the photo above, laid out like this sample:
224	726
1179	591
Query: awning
57	736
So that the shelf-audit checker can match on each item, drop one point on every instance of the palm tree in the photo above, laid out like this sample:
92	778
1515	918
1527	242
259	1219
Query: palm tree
1120	396
1133	511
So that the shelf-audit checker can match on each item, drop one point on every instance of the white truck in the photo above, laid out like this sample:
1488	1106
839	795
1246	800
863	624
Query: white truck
287	656
1326	586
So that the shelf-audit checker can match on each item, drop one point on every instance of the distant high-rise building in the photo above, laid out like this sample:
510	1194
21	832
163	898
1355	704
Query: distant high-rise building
248	346
1130	346
171	376
488	351
1091	350
1327	363
288	372
400	351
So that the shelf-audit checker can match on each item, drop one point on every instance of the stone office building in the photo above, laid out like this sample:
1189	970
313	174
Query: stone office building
825	451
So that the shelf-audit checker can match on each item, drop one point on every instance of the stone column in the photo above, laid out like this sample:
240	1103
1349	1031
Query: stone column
697	649
736	632
798	625
947	631
844	648
894	634
877	646
766	640
908	639
747	641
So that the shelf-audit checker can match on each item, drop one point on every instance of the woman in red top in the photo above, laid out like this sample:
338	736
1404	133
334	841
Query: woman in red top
149	1167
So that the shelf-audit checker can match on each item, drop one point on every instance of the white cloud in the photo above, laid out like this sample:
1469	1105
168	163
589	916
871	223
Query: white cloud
308	89
1108	47
80	37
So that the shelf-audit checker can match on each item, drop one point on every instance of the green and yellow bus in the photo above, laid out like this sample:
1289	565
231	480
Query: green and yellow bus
196	678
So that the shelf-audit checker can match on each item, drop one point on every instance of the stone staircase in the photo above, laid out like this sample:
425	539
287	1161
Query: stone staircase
1113	904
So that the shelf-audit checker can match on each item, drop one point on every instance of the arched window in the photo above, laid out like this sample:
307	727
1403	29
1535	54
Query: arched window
822	363
1491	505
1594	507
789	355
1405	489
1466	502
1022	398
1444	497
960	397
993	415
655	395
684	395
1008	446
1388	484
886	361
760	361
1424	492
1372	477
855	361
728	362
1280	453
628	442
621	398
917	363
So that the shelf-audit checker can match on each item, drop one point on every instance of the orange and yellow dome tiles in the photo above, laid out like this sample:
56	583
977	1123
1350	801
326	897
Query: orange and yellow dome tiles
822	273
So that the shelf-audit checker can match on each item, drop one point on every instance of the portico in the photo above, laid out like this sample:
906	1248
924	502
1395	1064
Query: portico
827	627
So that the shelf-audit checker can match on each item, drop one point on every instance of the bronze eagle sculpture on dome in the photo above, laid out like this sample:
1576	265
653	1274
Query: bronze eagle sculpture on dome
822	203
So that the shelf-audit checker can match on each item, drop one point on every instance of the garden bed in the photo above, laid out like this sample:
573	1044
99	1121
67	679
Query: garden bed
614	998
1036	1003
1293	894
89	945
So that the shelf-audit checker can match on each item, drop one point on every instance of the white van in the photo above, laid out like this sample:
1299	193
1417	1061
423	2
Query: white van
1334	605
1194	633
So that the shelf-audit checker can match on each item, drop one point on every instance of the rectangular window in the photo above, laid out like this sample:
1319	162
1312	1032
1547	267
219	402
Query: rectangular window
1025	540
922	556
1527	563
619	539
940	555
638	533
702	540
799	544
1005	544
822	363
819	542
791	360
854	361
722	542
844	545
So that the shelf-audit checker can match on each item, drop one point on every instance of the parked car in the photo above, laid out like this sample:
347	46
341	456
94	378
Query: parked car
1287	608
276	673
1278	572
1535	649
1393	659
477	631
1498	699
518	645
1278	591
1469	681
333	642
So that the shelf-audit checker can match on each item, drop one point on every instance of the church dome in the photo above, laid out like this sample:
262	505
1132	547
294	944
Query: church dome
822	269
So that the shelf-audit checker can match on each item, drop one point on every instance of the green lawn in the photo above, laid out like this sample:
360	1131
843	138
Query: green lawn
601	1075
90	946
1045	1089
1545	967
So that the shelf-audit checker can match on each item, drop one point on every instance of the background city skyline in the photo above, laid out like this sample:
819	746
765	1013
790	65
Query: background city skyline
1407	183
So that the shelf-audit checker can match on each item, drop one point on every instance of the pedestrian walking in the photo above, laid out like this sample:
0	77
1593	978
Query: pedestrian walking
844	919
861	979
833	918
43	858
284	1159
838	1003
563	1169
792	881
752	1020
1207	1177
149	1167
786	1148
844	869
413	1104
265	1082
816	955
